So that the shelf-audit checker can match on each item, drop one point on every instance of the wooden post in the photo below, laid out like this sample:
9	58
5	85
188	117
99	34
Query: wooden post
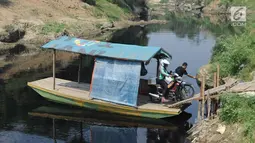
214	79
203	96
54	68
208	106
80	66
212	101
199	111
200	105
218	84
218	75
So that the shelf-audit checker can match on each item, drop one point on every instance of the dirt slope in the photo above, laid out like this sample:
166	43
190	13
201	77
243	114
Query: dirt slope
25	25
41	11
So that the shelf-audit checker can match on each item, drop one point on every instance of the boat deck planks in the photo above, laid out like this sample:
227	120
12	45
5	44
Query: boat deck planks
81	91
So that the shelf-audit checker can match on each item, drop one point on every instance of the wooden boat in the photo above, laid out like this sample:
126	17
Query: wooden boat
115	79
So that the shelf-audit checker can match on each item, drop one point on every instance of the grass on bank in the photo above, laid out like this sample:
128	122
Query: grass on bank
106	8
53	27
236	53
239	109
164	1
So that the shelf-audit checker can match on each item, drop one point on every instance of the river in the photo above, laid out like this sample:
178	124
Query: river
16	99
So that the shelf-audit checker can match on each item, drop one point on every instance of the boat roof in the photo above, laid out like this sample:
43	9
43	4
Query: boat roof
105	49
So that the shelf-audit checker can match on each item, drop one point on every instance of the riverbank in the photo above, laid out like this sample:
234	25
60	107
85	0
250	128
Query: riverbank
234	123
23	32
235	55
215	131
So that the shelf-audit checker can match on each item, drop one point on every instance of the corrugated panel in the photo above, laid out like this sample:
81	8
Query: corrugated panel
116	81
104	49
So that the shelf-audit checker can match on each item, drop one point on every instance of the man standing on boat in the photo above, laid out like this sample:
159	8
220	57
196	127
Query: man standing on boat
163	73
181	70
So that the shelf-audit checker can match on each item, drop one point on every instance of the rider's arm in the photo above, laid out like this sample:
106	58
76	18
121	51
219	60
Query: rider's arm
191	76
186	73
163	71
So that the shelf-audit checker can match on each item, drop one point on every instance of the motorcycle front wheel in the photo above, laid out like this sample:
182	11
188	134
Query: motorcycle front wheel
187	91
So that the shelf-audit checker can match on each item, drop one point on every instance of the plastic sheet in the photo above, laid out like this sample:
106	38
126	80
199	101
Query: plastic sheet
116	81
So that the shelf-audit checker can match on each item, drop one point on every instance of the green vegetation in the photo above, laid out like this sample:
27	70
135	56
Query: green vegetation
102	9
108	9
164	1
240	109
236	53
53	27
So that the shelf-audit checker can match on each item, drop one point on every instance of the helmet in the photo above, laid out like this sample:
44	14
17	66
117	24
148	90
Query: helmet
164	62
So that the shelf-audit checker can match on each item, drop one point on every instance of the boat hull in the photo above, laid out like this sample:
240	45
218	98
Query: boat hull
101	107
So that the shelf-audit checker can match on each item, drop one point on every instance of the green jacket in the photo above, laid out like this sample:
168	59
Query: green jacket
162	73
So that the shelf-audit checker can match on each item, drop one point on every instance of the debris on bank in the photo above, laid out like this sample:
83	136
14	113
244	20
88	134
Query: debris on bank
214	131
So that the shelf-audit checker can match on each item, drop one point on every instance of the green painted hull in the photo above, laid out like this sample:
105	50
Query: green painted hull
104	108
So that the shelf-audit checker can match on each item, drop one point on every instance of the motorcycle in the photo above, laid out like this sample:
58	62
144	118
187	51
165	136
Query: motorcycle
179	91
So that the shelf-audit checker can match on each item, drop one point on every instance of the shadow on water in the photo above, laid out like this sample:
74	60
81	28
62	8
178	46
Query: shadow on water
136	35
105	127
16	99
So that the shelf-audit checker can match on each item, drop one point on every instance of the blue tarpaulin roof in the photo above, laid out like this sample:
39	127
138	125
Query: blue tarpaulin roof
104	49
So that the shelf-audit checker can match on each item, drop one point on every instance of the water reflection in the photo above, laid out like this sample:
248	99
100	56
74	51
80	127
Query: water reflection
98	127
136	35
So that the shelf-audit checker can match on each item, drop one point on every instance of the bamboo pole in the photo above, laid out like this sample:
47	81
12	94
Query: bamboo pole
218	84
214	85
199	111
208	105
203	96
218	75
54	69
79	72
200	106
214	79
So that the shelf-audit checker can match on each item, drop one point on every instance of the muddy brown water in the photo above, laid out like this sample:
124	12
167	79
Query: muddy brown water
16	99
